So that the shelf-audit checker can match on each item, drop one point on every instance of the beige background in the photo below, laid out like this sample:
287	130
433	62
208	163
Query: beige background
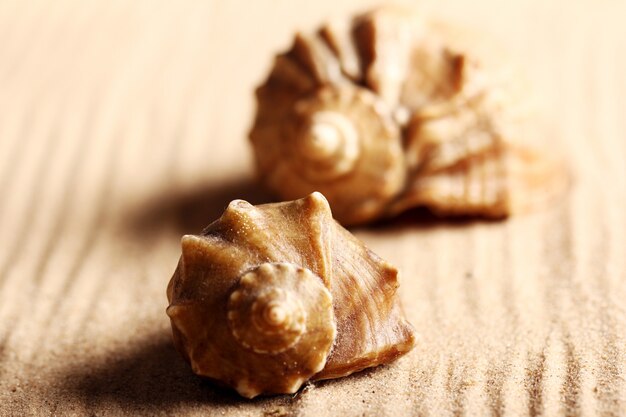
123	125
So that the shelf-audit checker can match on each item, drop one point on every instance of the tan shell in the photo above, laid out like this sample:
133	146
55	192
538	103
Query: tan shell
271	296
384	112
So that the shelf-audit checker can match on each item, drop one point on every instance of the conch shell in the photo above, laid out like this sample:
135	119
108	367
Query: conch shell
271	296
384	113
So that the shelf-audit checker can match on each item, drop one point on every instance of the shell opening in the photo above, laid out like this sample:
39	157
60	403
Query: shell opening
328	144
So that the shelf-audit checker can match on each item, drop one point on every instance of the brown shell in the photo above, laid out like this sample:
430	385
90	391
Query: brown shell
419	108
330	154
271	296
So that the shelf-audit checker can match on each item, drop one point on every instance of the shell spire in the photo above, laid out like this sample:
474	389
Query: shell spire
271	296
388	111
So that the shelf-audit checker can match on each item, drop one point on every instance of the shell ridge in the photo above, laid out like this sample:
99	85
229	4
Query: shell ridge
319	234
314	54
357	287
247	228
338	38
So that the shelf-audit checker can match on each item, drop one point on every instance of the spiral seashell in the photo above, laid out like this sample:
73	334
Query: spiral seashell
376	110
271	296
329	153
270	310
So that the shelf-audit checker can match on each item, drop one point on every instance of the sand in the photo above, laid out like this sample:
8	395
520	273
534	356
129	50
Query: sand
123	126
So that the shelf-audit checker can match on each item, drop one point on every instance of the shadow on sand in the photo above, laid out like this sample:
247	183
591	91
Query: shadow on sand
192	210
152	377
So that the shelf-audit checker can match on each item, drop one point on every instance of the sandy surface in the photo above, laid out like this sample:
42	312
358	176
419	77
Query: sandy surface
123	125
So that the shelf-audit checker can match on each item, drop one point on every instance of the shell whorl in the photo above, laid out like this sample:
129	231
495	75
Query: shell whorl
328	145
269	310
336	141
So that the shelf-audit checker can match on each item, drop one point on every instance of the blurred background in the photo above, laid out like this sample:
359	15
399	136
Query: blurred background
123	125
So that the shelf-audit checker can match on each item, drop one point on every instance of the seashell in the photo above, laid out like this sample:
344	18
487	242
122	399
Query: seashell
269	297
386	112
